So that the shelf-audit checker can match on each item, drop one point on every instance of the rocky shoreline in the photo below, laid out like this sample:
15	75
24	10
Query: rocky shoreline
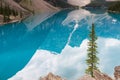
97	76
11	21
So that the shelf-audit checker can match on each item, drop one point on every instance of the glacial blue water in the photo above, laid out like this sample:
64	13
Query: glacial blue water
19	41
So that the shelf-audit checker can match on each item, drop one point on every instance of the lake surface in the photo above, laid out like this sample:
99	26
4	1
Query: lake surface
57	43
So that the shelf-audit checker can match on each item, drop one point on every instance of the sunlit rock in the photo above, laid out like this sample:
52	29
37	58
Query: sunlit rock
86	77
97	76
117	73
13	5
101	76
38	6
51	76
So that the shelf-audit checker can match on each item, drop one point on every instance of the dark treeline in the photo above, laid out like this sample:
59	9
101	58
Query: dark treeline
6	11
115	7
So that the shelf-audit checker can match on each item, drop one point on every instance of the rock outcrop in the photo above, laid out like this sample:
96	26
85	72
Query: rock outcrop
51	76
117	73
86	77
101	76
38	6
13	5
97	76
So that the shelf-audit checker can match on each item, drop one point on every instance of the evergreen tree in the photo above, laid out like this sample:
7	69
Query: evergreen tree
92	59
16	13
1	8
30	2
4	16
13	12
115	7
6	11
21	14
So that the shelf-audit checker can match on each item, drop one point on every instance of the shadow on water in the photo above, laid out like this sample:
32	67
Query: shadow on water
115	16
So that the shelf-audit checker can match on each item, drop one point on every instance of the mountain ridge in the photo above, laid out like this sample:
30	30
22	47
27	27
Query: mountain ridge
22	9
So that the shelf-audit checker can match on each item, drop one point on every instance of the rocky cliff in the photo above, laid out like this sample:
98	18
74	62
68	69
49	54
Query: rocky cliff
38	6
51	76
11	11
117	73
12	4
86	77
101	76
97	76
60	3
19	9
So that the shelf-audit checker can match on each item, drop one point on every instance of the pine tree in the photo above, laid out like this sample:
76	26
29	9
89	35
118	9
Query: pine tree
92	59
21	14
13	12
4	15
1	8
30	2
16	12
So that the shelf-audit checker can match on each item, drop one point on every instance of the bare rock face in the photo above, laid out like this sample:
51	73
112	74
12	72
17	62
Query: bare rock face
86	77
38	6
51	76
117	73
97	76
101	76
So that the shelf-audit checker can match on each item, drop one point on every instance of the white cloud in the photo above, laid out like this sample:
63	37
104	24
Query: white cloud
71	62
109	53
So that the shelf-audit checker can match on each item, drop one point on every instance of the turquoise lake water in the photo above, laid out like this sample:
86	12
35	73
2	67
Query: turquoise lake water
64	33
